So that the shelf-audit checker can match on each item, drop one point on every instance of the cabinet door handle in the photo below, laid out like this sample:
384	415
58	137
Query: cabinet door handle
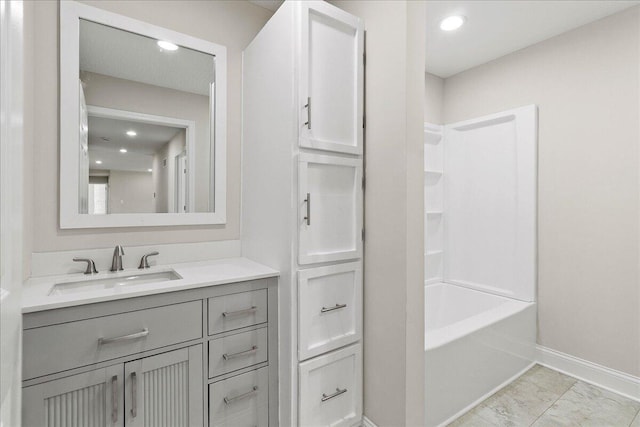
249	352
250	310
230	400
332	395
308	107
114	399
335	307
134	393
308	202
143	333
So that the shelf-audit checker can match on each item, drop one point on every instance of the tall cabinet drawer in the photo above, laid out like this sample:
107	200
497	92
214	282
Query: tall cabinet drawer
330	391
229	312
65	346
329	307
242	400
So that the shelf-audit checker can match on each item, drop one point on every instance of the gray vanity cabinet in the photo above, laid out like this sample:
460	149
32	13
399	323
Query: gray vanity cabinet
187	358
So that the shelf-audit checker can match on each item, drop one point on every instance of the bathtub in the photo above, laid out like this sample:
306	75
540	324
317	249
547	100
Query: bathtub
475	343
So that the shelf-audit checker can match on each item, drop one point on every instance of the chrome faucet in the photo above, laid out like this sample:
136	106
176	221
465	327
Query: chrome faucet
144	261
116	262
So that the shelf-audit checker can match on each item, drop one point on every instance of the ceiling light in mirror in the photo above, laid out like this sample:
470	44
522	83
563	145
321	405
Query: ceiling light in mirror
452	23
132	133
98	162
167	45
123	150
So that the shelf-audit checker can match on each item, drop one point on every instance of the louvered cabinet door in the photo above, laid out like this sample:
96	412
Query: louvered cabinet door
91	399
165	390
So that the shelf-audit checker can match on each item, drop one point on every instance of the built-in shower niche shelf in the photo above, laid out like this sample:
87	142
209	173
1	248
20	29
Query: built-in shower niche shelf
435	252
432	137
433	264
432	173
434	213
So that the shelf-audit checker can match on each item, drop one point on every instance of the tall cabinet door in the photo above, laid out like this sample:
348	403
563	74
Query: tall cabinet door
165	390
330	208
331	79
91	399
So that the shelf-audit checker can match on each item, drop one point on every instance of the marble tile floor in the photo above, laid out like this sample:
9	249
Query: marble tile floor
546	398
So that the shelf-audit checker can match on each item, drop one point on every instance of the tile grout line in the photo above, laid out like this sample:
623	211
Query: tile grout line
575	381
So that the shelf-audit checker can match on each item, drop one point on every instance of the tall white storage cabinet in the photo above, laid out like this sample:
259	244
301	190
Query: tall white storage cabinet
302	206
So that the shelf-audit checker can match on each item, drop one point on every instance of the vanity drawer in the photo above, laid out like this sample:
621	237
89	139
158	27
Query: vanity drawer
237	351
331	389
70	345
235	311
242	400
329	308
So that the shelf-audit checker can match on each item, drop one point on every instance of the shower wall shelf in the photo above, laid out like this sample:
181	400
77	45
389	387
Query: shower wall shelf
433	202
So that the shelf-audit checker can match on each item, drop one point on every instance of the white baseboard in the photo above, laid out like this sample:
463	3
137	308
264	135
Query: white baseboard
601	376
54	263
366	422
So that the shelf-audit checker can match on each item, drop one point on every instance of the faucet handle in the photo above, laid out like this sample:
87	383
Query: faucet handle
91	266
144	262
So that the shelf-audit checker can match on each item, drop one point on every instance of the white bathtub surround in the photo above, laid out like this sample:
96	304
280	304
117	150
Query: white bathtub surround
475	344
61	262
480	258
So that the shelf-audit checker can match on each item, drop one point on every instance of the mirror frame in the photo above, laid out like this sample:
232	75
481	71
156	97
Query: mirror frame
70	14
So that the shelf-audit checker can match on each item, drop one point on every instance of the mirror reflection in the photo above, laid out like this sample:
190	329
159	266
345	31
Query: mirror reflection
146	108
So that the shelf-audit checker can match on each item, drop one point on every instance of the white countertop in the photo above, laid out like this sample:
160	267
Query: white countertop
35	293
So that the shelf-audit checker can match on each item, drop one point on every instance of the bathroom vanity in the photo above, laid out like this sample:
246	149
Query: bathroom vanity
198	349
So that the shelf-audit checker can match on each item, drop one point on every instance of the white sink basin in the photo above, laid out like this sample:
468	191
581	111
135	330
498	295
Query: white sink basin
114	283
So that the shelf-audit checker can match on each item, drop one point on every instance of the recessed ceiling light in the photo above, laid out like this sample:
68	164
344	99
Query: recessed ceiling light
123	150
98	162
167	45
131	133
149	170
452	23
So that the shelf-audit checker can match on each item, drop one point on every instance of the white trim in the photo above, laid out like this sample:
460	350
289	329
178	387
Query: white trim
188	125
12	123
366	422
70	14
61	262
601	376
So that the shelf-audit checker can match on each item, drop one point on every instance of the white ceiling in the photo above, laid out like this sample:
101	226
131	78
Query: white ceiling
121	54
150	139
272	5
496	28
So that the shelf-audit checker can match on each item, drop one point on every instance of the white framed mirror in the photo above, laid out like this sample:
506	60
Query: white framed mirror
142	123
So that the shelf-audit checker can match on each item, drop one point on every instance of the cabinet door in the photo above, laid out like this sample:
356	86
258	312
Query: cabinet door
91	399
165	390
330	208
331	79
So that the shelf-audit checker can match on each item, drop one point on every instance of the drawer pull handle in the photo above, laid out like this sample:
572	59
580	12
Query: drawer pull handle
308	202
143	333
249	352
230	400
253	309
335	307
332	395
114	399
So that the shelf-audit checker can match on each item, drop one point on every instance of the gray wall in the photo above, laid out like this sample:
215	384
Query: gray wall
433	99
130	192
586	85
230	23
394	273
